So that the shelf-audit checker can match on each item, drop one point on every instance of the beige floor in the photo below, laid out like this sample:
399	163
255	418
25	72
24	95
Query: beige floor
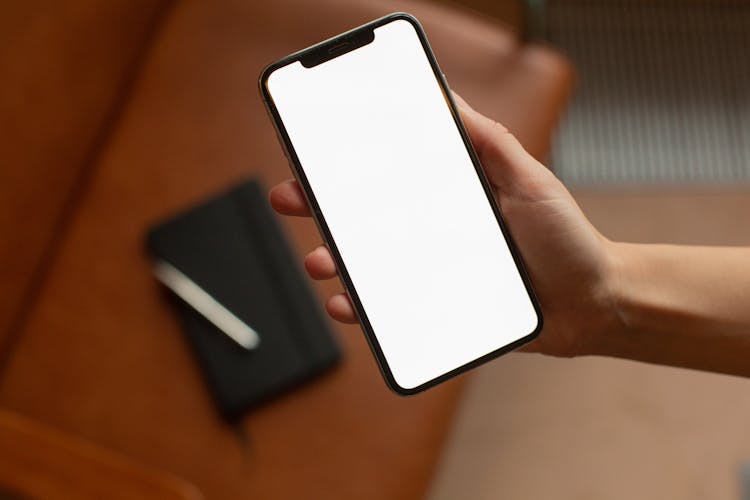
532	427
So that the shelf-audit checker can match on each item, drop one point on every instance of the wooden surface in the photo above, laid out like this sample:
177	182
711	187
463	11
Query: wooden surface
100	354
37	461
65	67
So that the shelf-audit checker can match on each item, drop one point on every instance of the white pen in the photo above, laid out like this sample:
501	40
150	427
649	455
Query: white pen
206	305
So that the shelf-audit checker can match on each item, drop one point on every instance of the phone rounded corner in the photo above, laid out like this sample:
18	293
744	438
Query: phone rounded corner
404	16
263	78
538	328
537	306
539	324
388	377
267	72
400	390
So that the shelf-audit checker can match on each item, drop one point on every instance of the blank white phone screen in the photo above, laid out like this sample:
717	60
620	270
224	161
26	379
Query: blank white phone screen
404	205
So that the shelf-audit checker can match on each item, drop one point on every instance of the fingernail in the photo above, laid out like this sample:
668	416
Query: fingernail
460	102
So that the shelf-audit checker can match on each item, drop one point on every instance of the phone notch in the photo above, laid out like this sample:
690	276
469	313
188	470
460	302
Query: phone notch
338	46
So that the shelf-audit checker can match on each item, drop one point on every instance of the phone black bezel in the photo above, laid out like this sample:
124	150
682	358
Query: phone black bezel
299	174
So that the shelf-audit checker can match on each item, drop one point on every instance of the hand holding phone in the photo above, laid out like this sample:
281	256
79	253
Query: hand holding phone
565	255
472	301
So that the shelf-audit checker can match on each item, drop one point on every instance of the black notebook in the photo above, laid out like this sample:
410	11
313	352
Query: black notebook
234	250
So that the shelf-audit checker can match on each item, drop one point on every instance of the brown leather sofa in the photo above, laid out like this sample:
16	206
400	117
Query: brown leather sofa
114	114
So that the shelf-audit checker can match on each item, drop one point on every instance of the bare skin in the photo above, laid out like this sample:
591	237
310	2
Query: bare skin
675	305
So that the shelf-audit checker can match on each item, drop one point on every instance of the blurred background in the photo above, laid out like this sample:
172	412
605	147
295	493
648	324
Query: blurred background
116	114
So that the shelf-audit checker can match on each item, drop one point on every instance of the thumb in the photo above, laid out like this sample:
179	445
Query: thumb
505	161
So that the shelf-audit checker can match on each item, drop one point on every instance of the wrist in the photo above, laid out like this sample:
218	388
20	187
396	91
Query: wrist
615	301
672	305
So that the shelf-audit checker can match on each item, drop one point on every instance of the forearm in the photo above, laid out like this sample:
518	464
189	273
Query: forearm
681	306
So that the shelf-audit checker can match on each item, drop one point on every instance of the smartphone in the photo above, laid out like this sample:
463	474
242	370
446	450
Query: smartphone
376	143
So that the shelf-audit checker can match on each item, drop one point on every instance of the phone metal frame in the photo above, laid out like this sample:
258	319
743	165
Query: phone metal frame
299	173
